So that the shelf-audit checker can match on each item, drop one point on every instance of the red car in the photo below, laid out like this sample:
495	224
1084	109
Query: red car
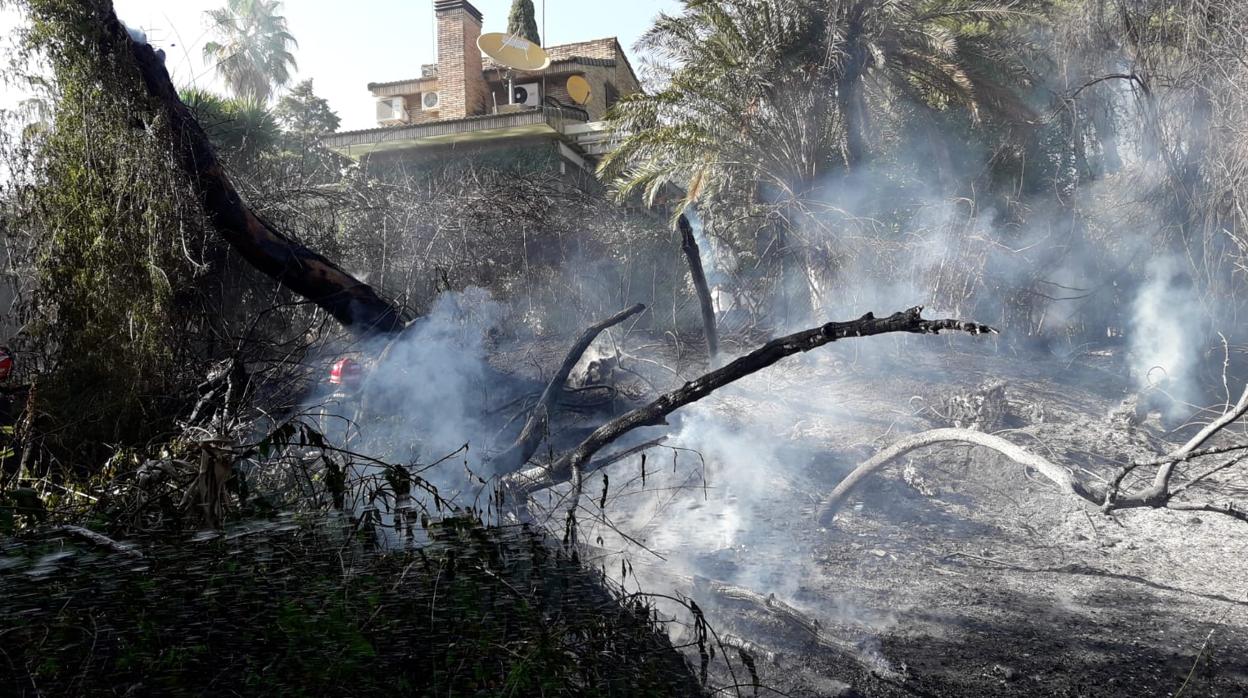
6	363
346	374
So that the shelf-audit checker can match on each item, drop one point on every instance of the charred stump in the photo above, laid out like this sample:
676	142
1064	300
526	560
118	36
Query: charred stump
689	245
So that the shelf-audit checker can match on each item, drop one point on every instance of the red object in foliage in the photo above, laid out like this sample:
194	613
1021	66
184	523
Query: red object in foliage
6	363
346	373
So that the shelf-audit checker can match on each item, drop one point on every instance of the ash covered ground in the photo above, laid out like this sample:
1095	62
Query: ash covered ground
955	572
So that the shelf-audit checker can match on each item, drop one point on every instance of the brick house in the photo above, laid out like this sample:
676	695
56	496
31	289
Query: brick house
461	106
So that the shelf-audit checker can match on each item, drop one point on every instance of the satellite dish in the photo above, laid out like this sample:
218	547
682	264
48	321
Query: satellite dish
579	89
513	51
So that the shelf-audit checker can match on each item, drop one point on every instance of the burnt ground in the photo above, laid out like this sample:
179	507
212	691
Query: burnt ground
953	573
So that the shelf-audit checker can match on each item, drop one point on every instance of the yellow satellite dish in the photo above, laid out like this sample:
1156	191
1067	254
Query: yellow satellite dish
513	51
579	89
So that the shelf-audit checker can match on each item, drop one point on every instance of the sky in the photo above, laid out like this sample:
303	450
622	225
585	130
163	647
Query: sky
343	46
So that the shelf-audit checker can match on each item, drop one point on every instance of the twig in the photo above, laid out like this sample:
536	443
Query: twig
102	541
1195	663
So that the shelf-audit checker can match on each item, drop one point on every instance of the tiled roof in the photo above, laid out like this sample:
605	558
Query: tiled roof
598	48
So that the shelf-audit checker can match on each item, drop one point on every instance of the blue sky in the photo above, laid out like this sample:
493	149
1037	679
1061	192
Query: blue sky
345	45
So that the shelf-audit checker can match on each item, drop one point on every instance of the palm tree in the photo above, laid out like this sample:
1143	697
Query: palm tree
787	91
252	47
243	130
763	100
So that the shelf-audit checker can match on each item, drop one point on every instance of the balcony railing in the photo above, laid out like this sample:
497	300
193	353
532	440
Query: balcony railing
524	121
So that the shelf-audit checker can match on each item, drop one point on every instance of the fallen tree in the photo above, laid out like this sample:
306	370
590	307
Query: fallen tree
1160	493
350	301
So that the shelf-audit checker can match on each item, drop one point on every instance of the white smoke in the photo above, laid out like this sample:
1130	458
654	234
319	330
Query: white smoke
1166	332
730	502
427	394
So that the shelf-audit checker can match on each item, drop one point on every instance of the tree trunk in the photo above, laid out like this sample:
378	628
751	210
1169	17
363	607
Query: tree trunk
849	96
796	292
689	245
1100	111
350	301
854	112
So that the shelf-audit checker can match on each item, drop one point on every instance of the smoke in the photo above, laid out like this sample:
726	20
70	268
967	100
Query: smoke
428	392
726	501
722	471
1166	333
1062	275
1074	264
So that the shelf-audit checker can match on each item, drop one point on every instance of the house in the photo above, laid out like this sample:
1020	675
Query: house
462	105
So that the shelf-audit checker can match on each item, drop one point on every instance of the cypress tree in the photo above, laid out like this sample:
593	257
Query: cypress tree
523	21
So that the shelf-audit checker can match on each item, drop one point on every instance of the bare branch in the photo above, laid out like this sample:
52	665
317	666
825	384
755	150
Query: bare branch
1191	455
1056	473
1162	481
102	540
1227	509
1158	495
1226	465
539	477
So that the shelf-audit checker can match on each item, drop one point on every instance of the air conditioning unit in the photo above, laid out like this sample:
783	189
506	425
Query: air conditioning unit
528	94
429	101
391	110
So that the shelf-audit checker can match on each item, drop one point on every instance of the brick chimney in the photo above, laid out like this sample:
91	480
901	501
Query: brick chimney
461	86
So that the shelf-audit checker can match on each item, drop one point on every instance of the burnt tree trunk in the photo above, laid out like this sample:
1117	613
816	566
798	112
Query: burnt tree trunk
850	99
350	301
689	245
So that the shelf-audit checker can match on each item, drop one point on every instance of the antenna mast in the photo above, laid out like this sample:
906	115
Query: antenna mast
545	40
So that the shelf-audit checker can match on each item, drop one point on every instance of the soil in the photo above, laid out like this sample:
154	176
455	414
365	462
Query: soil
955	572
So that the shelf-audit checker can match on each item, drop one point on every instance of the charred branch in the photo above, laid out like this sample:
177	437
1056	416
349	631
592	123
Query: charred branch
753	649
539	477
570	465
1226	509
